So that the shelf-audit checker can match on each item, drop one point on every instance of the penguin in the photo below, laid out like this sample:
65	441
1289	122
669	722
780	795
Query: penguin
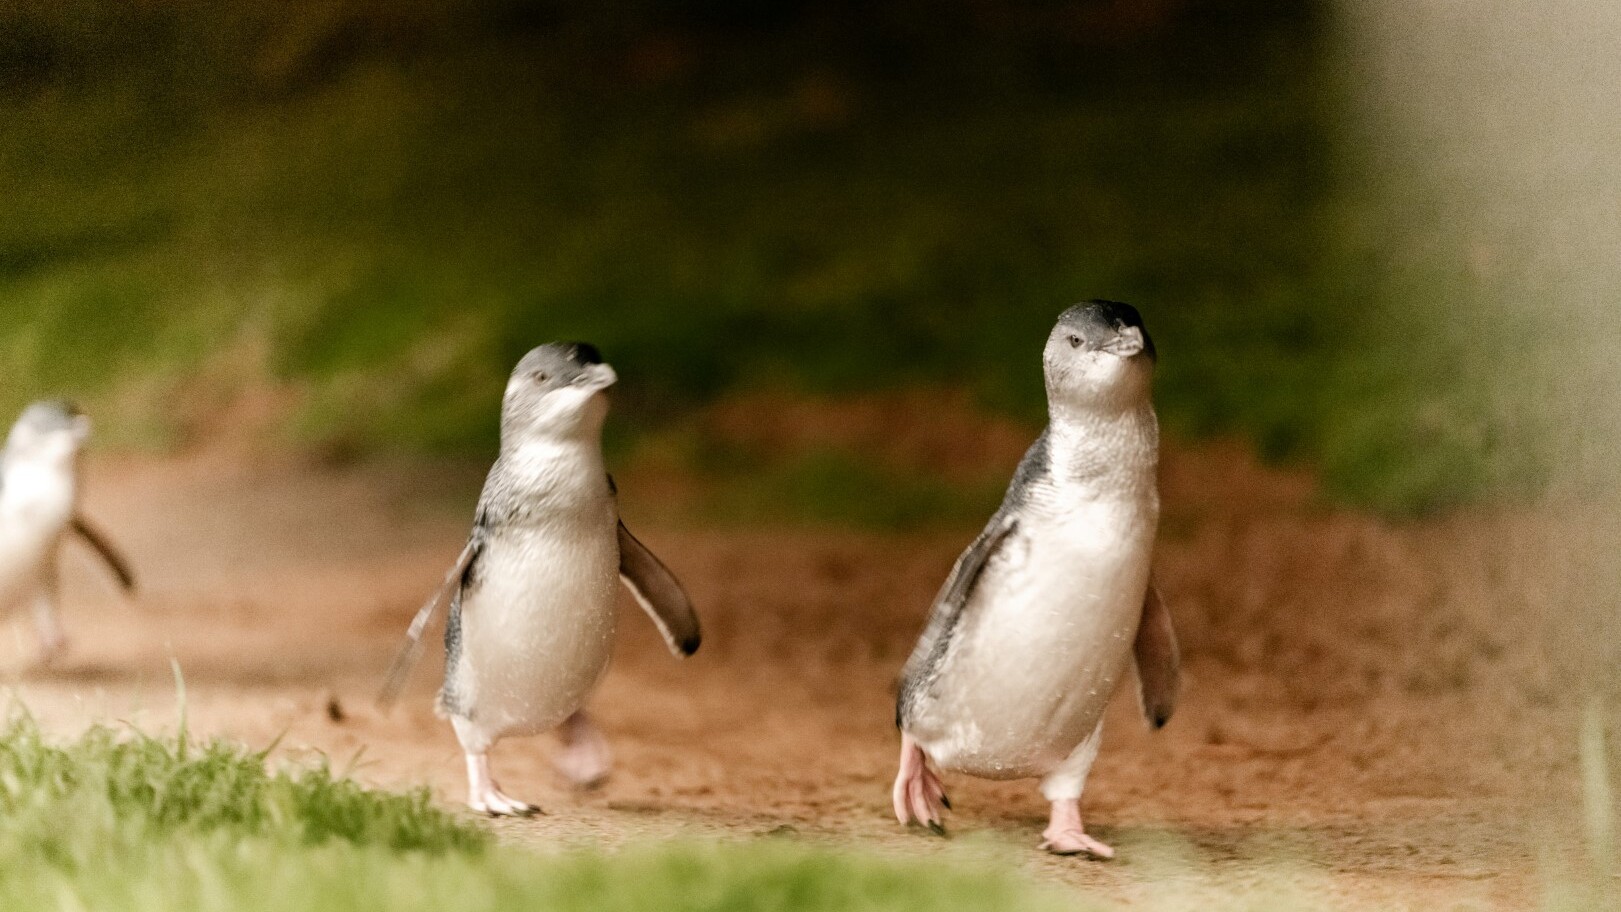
1038	619
39	505
531	597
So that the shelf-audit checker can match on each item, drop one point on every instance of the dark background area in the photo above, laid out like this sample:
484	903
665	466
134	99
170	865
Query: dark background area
340	224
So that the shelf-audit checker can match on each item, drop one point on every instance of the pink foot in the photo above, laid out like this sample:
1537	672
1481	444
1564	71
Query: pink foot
585	758
919	796
1065	836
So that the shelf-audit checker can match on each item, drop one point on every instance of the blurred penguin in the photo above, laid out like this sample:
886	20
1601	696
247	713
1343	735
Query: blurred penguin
39	494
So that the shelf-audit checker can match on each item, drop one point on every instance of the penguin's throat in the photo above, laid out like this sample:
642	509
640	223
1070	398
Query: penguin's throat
1106	453
539	462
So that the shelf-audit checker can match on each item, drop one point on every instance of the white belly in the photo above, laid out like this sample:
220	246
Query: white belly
537	631
36	503
1041	645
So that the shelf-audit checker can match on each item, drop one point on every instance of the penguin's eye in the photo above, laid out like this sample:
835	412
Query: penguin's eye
540	376
1074	341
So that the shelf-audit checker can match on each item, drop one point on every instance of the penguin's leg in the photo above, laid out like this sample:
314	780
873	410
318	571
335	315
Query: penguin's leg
483	795
585	759
1064	834
918	795
52	642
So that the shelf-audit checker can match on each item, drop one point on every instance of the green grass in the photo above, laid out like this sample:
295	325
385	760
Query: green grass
119	820
379	210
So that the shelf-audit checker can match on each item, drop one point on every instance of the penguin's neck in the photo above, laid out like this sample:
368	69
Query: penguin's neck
1106	452
540	464
546	480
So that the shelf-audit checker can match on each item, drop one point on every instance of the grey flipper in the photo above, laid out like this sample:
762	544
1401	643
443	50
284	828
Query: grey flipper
102	546
448	591
659	594
948	607
1159	662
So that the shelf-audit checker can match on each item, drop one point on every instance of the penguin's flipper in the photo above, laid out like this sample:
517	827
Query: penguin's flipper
411	650
103	547
949	604
659	594
1159	662
959	586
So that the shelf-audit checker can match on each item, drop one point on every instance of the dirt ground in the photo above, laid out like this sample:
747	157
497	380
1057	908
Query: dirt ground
1363	705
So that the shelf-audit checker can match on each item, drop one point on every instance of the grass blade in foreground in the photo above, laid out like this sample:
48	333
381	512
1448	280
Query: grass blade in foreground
129	822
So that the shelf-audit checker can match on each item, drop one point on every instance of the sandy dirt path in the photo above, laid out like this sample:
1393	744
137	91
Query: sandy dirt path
1358	712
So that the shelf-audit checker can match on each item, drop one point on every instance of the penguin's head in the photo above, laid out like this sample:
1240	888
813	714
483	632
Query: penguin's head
558	390
51	431
1098	356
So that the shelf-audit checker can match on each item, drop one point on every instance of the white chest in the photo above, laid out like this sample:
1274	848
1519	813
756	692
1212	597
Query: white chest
1057	579
36	503
537	626
1044	640
35	497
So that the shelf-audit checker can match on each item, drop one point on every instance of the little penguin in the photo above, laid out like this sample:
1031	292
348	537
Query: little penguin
1035	625
39	504
532	608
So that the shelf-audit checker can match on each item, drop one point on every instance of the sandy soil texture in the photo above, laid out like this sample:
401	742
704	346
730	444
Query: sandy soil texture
1363	704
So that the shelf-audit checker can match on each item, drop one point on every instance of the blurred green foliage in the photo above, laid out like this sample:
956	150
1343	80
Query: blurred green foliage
380	207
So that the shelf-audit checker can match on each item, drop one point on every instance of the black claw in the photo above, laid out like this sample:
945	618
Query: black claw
936	827
945	801
528	810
